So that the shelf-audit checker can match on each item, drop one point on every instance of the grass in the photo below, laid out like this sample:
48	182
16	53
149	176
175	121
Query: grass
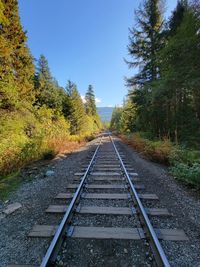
184	163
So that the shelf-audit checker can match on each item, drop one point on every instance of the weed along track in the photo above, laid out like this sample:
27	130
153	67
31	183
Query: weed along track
107	215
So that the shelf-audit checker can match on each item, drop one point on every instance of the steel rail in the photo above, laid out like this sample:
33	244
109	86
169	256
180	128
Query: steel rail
159	255
51	254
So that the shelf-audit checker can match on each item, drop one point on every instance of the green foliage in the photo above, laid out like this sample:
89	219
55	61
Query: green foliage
185	163
38	118
16	62
26	136
124	118
90	105
165	92
115	120
77	110
158	151
187	174
91	109
47	90
145	41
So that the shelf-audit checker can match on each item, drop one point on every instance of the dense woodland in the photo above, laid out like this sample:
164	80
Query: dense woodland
163	101
38	117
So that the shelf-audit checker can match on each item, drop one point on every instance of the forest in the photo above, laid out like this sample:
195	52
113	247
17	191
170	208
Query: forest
160	116
38	118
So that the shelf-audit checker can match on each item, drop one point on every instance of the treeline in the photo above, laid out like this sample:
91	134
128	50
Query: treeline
37	116
160	116
164	96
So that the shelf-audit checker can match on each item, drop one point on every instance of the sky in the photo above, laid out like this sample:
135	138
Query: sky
84	41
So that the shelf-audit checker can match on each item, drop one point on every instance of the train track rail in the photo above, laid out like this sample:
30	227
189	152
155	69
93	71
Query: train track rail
108	176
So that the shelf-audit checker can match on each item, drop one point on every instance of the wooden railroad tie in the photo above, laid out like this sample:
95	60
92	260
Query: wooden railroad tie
106	196
108	233
104	186
107	210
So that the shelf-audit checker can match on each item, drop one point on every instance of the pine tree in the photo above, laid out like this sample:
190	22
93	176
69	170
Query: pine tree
179	75
16	68
146	40
90	104
77	113
47	90
177	16
17	62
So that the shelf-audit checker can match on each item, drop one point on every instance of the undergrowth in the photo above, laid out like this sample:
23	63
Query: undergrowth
184	162
26	137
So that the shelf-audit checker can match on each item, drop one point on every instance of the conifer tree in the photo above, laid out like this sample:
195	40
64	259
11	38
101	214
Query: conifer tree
16	60
47	89
145	41
76	109
179	74
90	104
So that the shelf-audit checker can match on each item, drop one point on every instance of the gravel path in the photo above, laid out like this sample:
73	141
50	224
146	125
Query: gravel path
36	195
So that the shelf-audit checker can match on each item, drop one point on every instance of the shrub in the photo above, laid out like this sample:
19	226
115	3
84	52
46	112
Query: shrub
158	151
185	163
27	136
186	173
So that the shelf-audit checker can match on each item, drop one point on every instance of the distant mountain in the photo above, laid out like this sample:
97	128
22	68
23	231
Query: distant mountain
105	113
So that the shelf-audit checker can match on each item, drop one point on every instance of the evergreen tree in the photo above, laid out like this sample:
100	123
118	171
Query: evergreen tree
90	104
16	68
177	16
47	90
116	119
146	40
128	116
179	76
76	109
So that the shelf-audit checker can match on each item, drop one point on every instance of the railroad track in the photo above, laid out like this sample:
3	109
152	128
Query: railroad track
106	189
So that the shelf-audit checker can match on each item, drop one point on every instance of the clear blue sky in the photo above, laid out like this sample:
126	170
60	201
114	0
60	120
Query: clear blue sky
83	40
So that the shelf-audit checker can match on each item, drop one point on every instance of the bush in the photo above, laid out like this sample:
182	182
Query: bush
158	151
186	173
185	163
27	136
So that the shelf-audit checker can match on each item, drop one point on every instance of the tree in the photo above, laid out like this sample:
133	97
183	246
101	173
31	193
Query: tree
128	116
47	90
16	68
90	105
77	113
116	118
179	75
145	41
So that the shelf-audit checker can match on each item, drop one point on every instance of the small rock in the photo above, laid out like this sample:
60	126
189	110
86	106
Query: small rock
49	173
91	250
35	168
12	207
60	263
125	250
2	216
